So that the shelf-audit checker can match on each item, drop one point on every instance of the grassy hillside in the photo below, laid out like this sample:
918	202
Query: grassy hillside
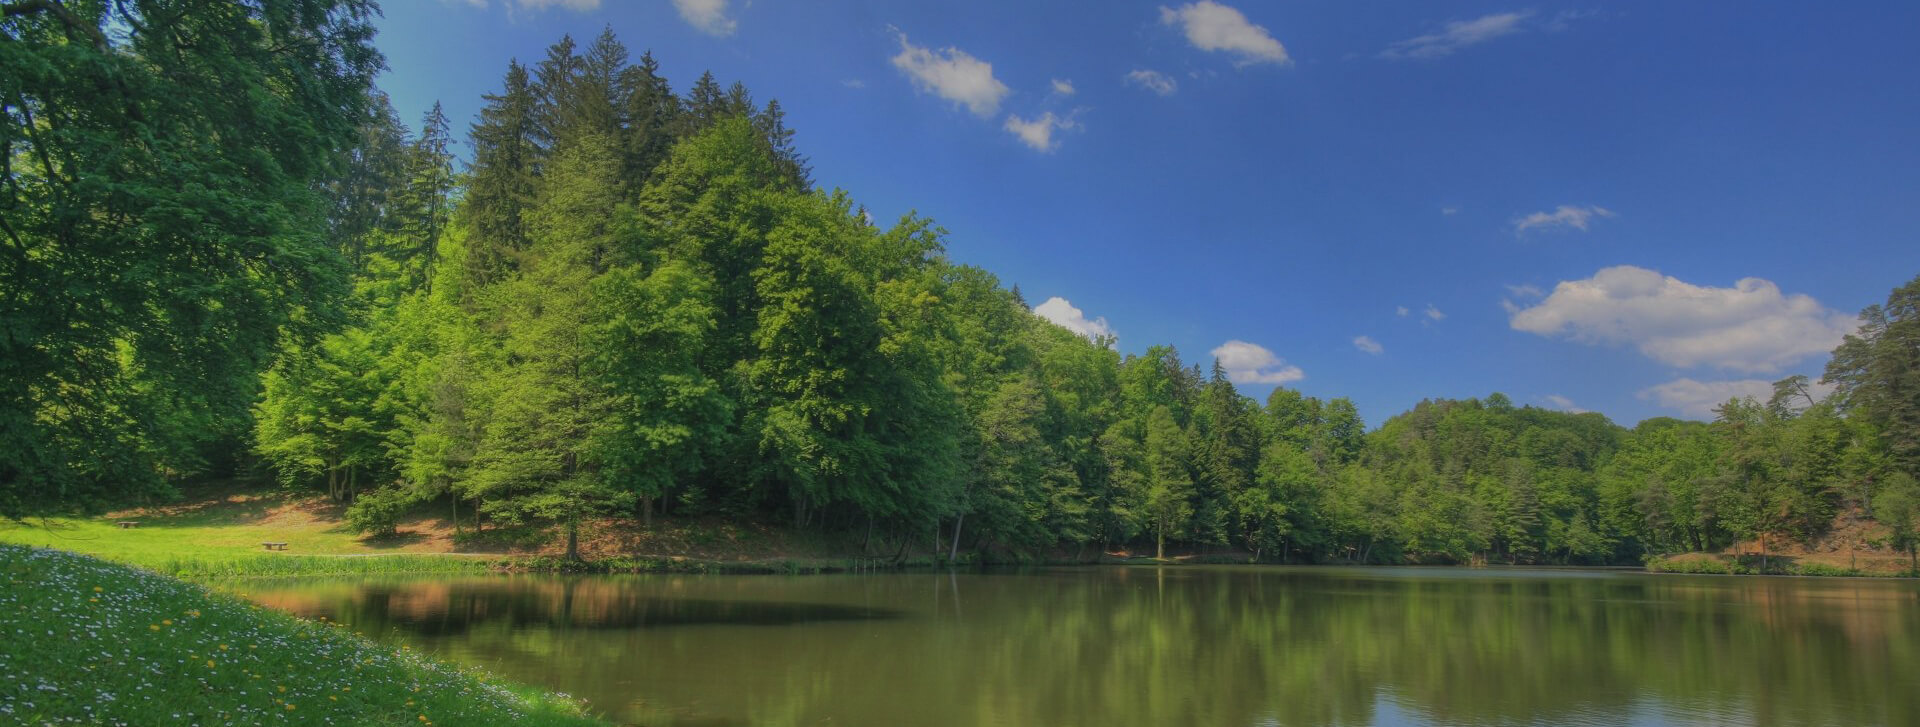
216	530
89	642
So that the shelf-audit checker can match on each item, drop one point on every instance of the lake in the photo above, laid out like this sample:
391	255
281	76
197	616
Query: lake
1160	646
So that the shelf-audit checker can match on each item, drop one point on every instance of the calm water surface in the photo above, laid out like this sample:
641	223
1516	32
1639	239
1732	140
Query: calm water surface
1170	646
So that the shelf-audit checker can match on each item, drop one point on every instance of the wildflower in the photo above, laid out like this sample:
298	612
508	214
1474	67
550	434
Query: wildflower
96	589
283	689
223	647
289	706
154	627
209	663
166	622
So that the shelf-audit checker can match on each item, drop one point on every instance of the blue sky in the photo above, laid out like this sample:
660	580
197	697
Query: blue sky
1636	208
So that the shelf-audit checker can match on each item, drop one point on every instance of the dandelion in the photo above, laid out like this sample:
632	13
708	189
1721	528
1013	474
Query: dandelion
153	627
166	622
96	589
209	663
223	647
289	706
282	688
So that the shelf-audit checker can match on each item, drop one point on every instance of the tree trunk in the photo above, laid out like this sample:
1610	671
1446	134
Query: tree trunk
573	540
646	512
1160	544
454	497
954	553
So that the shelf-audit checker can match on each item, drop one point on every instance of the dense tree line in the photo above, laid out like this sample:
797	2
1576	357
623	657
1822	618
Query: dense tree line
634	302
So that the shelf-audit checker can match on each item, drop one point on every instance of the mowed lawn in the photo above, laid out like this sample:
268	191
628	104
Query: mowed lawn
220	531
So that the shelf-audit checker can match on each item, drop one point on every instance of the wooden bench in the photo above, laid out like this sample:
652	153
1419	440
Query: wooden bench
275	546
124	524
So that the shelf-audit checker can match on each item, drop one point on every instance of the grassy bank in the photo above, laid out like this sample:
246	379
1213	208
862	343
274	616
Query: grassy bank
1723	564
89	642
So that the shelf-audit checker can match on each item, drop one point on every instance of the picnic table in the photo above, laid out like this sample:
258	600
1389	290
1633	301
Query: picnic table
124	524
275	546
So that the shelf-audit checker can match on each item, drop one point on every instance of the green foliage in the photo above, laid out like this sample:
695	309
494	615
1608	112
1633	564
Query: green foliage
161	163
635	302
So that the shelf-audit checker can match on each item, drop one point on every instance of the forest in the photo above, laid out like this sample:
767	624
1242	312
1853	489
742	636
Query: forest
226	257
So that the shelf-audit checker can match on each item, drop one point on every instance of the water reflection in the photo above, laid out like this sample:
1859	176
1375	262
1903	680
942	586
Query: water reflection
1180	646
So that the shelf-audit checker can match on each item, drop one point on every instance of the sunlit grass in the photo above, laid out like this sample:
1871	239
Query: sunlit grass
87	642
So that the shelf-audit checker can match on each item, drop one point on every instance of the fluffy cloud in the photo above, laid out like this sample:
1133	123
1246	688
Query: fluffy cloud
1063	87
1038	133
1433	313
1750	327
708	16
952	74
1248	363
1698	399
1457	34
1562	403
1064	315
1211	26
574	5
1154	81
1563	216
1368	345
1401	310
1525	291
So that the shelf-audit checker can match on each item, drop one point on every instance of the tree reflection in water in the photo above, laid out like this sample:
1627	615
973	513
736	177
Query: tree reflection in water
1172	646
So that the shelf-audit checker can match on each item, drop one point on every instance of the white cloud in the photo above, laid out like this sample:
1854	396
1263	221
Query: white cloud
1211	26
1368	345
1750	327
1401	310
1563	404
1457	34
1248	363
1699	398
1063	87
1563	216
1525	291
1433	313
580	6
1038	133
1064	315
1449	211
707	16
854	83
1154	81
952	74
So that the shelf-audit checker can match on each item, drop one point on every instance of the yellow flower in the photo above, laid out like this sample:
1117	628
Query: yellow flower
155	627
93	600
223	647
289	706
209	663
166	622
96	589
332	698
283	689
423	718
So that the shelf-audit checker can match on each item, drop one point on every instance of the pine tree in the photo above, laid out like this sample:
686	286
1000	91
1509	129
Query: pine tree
501	181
